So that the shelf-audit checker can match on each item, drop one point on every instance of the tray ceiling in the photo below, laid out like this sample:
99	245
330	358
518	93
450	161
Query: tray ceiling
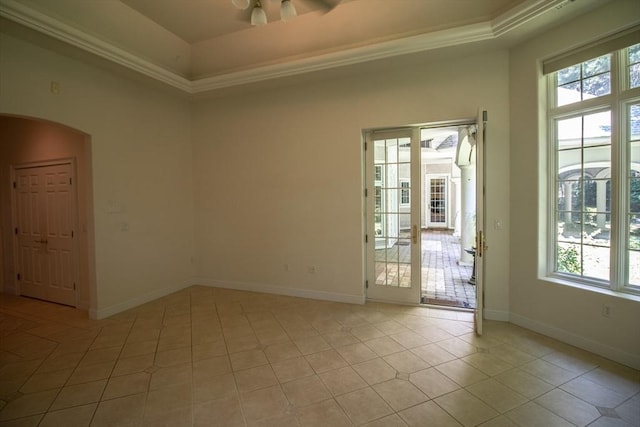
200	45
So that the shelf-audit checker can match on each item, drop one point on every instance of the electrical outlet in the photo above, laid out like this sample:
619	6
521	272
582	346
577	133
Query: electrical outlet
606	310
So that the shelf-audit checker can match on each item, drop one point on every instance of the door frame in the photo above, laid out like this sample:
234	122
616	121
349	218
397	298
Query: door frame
480	120
481	243
74	216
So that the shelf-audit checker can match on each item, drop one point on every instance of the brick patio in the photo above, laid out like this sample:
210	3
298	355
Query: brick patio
444	282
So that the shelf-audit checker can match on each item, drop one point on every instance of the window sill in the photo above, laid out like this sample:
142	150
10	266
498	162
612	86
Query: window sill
590	288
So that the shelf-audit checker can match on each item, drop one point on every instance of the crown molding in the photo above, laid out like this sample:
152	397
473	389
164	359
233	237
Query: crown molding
415	44
508	21
35	20
523	13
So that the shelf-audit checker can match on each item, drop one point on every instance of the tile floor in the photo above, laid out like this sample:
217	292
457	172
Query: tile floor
215	357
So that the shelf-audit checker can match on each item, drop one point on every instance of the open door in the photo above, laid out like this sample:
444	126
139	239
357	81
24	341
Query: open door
481	245
393	219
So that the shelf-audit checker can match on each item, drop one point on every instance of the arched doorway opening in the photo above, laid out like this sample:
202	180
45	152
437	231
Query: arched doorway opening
35	154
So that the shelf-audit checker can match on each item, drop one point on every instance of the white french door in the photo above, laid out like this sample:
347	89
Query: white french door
481	244
44	199
437	203
393	220
393	232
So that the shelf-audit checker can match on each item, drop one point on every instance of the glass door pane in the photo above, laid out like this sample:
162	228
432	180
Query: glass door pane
392	252
393	229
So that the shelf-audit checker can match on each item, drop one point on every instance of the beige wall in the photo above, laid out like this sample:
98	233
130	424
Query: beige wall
279	172
142	179
231	189
569	313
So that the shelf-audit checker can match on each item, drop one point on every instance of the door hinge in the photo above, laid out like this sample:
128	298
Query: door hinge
16	230
18	276
74	286
72	234
70	181
366	238
366	193
365	146
366	284
15	185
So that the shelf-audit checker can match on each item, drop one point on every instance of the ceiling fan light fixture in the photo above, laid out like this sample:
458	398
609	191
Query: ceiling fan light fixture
287	11
240	4
258	17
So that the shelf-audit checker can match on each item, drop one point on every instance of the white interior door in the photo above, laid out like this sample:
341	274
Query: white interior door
393	220
481	245
44	209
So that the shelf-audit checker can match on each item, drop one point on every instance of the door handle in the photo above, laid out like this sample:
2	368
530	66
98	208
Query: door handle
481	244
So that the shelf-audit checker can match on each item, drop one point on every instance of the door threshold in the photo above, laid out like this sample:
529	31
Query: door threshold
434	306
46	301
448	307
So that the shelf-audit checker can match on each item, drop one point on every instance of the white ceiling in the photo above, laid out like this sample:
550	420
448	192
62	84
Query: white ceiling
199	45
198	20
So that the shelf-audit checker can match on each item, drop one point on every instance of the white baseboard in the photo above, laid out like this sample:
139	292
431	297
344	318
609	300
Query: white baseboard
280	290
604	350
242	286
534	325
499	315
136	301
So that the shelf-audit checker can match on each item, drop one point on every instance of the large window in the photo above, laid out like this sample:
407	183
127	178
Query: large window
594	125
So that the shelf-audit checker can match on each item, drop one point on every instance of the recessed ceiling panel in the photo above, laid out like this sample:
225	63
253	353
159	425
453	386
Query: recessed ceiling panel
198	20
209	43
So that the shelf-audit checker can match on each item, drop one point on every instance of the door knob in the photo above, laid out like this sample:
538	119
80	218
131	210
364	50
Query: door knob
481	244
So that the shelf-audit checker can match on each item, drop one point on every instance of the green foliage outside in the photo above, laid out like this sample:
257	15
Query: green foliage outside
568	261
590	77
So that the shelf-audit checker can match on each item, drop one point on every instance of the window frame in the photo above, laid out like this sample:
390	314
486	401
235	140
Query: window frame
618	101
